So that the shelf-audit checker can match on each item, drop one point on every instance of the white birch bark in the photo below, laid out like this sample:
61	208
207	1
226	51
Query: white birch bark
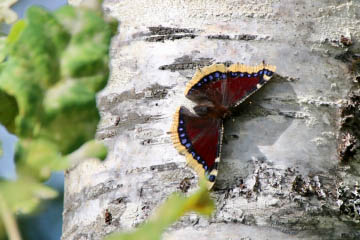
279	176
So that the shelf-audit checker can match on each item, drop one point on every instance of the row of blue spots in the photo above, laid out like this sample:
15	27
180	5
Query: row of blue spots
211	77
267	72
241	74
199	159
218	75
182	134
184	140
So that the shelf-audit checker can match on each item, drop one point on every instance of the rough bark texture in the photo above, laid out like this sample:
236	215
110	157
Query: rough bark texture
289	167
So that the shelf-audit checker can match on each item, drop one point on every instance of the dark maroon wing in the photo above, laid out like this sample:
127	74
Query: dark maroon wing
210	88
199	138
228	86
240	85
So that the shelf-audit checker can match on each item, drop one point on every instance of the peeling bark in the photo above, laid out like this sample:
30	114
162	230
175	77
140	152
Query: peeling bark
283	173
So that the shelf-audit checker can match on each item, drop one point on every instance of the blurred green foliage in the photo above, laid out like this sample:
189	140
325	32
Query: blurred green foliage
51	67
27	195
56	62
50	80
175	207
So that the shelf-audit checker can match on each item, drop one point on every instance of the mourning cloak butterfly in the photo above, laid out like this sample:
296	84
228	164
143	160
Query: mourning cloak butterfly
216	90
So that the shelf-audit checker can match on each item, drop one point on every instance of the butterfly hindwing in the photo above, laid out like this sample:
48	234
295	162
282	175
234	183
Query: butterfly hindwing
199	138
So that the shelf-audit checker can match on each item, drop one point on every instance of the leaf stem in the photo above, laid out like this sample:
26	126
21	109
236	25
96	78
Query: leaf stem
9	221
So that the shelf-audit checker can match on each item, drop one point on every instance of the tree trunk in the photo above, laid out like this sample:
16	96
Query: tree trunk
289	165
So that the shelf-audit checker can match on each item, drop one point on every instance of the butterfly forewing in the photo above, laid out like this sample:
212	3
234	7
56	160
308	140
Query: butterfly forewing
210	89
228	86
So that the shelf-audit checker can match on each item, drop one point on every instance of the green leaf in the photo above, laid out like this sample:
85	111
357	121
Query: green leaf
8	111
56	63
43	157
23	195
3	50
175	207
15	31
2	231
8	219
6	14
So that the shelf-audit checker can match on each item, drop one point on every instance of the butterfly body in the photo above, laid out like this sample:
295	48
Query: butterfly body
216	90
212	111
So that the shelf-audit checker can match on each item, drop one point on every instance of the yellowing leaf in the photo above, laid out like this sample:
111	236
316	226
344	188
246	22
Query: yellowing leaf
175	207
15	31
23	195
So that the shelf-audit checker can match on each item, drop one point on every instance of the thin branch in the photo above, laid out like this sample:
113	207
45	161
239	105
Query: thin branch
9	221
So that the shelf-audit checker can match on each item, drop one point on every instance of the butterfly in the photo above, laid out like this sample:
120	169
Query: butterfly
217	90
